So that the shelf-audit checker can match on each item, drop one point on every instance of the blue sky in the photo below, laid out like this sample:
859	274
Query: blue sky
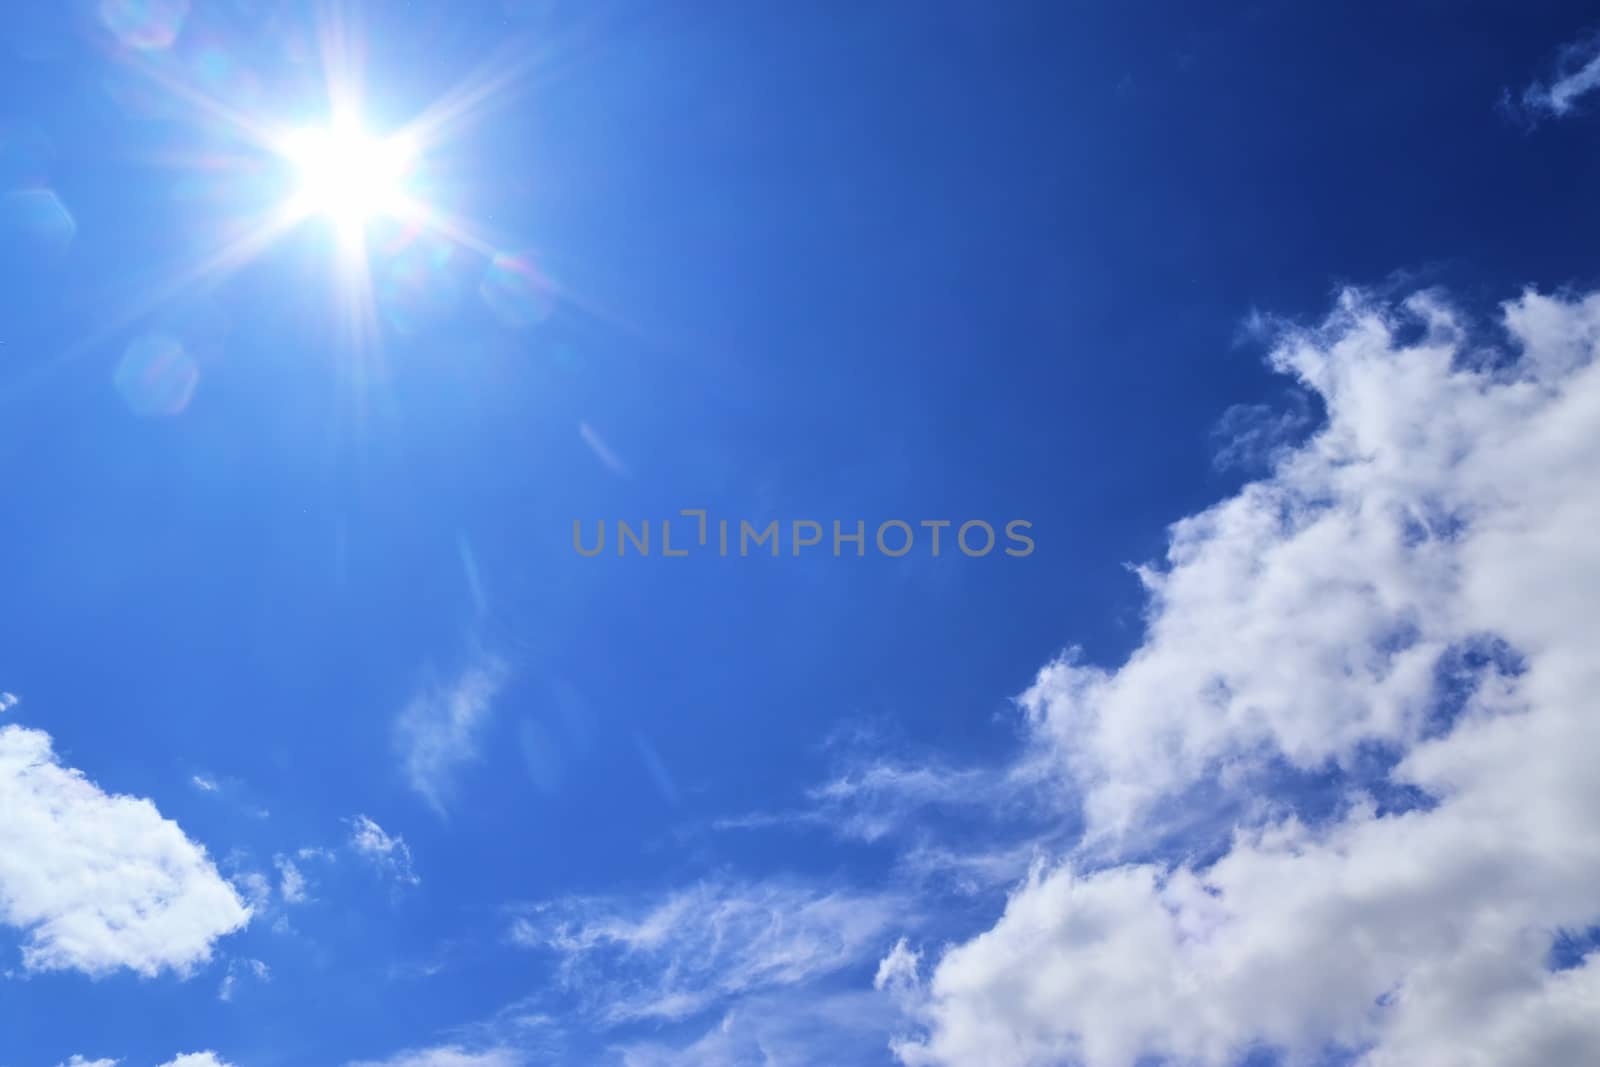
320	744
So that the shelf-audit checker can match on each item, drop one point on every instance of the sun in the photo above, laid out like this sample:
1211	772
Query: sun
372	184
347	174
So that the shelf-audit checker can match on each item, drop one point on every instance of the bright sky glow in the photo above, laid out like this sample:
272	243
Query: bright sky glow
347	174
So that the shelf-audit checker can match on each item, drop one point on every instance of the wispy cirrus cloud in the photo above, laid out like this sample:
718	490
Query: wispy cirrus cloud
1251	437
850	1026
438	732
450	1056
188	1059
968	829
242	969
1576	75
99	881
235	793
388	852
693	949
294	885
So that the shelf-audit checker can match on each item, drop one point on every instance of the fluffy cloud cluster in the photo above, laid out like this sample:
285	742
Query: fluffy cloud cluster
97	881
1366	702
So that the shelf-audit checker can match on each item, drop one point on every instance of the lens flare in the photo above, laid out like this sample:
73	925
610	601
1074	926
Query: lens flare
419	288
37	222
516	292
144	24
156	376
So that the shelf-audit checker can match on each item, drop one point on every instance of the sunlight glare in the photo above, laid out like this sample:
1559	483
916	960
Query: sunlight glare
369	183
348	175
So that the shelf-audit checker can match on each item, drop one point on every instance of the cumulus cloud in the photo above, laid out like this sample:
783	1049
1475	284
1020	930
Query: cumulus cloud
79	1061
438	732
389	853
691	949
8	701
98	881
1577	74
1342	796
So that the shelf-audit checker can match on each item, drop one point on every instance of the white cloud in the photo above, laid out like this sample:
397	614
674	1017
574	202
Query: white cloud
694	948
974	871
242	968
969	830
1577	75
190	1059
8	701
254	887
873	800
291	882
204	783
777	1031
1253	436
389	853
438	732
99	881
450	1056
900	969
1405	609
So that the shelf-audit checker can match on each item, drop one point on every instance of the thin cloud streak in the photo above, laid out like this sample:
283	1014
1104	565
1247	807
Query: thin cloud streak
439	731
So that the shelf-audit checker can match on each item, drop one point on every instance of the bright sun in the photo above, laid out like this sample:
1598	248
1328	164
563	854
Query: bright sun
347	174
373	185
